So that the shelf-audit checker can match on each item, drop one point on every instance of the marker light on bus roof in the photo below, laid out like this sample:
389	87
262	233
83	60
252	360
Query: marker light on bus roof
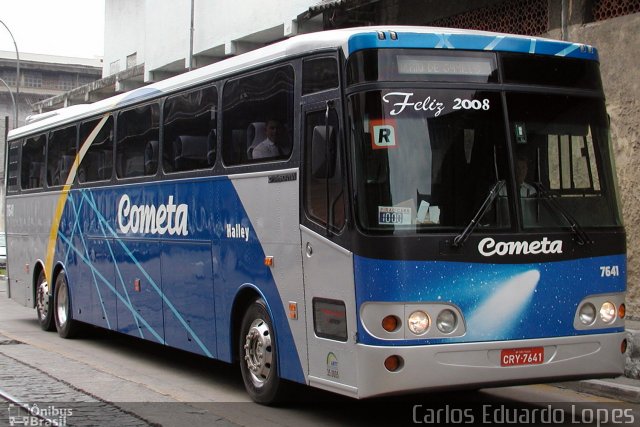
608	312
587	314
418	322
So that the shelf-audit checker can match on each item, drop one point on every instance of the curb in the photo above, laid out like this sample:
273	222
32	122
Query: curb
603	388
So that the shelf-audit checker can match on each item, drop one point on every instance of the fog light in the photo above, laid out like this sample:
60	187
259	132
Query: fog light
393	363
418	322
587	314
447	321
623	346
622	311
390	323
608	312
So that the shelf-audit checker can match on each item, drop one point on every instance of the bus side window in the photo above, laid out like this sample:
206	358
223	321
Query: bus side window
137	144
33	167
189	141
13	172
256	103
97	164
315	182
61	153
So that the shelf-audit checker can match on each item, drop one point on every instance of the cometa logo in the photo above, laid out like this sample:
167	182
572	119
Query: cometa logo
489	247
147	219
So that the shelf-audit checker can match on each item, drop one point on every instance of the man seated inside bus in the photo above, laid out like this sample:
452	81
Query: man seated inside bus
269	148
522	169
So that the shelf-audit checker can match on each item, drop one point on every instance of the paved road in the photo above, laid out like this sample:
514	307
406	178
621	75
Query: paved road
108	379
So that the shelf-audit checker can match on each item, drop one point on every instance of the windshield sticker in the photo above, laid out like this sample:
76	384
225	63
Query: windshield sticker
383	134
394	215
405	100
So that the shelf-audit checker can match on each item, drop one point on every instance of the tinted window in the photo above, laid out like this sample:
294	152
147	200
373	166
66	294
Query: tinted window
258	117
551	71
13	171
319	74
137	146
189	140
33	166
97	163
61	153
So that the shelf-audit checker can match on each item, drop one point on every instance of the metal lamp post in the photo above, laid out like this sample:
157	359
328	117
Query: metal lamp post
15	124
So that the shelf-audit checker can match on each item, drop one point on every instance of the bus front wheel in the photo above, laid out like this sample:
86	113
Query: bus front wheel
258	355
44	303
66	326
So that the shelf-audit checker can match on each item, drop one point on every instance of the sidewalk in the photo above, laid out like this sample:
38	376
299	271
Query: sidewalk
625	388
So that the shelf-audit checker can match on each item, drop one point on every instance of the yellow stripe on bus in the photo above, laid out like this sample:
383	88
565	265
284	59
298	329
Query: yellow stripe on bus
62	200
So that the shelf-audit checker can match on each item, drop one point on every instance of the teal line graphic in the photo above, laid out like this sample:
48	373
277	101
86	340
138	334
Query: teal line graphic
113	257
84	244
494	43
106	282
73	232
148	277
444	41
532	47
568	50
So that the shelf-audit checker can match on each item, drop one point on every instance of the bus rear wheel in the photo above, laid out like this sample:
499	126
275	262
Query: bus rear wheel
258	355
66	326
44	303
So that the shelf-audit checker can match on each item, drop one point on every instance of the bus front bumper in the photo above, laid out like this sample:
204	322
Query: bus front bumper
479	365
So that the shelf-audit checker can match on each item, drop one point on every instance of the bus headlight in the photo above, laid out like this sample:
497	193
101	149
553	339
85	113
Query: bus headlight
587	314
608	312
446	321
418	322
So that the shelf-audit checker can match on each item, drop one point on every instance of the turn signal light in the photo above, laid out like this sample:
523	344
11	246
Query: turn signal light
390	323
622	311
393	363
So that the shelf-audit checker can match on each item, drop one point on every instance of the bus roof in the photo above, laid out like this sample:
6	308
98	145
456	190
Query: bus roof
350	40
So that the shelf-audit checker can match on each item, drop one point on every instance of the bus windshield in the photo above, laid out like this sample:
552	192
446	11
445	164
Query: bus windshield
427	159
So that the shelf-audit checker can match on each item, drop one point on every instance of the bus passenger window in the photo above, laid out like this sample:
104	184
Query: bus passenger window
97	163
137	145
61	153
33	167
189	141
258	117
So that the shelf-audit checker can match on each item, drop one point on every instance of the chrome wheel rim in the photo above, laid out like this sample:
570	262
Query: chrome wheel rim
258	352
42	300
62	306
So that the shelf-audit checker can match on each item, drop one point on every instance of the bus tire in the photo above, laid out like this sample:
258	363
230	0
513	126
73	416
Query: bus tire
258	355
66	326
44	303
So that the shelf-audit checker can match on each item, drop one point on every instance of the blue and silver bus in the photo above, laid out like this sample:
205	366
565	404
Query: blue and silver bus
368	211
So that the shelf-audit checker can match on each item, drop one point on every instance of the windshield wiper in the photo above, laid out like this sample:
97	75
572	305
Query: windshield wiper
581	236
462	237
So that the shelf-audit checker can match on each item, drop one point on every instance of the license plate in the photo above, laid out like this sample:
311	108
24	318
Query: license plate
522	356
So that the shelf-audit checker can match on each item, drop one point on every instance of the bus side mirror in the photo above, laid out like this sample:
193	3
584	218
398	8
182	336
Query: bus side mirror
323	152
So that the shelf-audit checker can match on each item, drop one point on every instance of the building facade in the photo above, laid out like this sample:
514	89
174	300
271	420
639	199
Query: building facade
41	77
149	40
